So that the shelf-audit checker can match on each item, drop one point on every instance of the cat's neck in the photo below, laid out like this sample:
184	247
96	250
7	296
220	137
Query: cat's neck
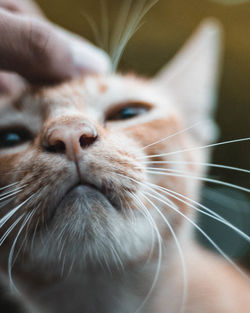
103	290
116	292
108	289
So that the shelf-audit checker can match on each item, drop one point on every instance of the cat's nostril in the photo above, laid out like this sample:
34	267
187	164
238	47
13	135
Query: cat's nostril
87	140
71	139
58	147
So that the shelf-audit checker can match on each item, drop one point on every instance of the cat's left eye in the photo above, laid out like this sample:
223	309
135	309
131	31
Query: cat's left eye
14	137
127	111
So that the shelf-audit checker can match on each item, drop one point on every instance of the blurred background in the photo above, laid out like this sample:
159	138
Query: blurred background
165	28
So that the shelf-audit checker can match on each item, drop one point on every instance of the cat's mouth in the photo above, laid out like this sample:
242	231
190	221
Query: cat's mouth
78	194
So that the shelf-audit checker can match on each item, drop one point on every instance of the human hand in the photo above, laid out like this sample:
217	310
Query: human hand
39	51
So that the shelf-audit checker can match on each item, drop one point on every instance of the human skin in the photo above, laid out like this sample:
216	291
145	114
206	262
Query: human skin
33	50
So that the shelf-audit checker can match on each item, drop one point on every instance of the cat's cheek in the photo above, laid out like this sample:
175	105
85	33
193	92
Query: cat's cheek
10	168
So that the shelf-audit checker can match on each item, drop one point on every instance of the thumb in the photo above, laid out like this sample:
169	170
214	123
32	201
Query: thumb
41	53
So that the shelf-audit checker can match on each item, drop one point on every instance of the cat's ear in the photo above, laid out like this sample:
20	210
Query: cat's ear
192	77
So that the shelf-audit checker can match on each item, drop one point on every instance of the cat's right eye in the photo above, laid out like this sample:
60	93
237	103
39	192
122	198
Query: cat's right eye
10	138
127	111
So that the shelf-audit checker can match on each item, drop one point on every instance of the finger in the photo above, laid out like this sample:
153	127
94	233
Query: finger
21	7
11	84
87	56
41	54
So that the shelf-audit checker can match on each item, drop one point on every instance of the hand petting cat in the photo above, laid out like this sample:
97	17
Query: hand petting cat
34	50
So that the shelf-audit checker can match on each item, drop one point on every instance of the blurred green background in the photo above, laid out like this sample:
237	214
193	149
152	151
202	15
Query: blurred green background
165	29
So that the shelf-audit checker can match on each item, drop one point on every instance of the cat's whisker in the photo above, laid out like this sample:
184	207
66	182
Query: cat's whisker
60	240
206	179
145	212
131	213
120	25
210	240
34	234
211	213
11	254
28	226
12	187
4	203
10	190
217	196
4	219
9	186
117	259
200	163
159	240
149	219
94	28
167	202
10	194
180	252
138	12
106	262
194	148
9	230
63	266
104	25
174	134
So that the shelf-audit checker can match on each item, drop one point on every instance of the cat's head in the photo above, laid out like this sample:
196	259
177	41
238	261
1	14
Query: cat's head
82	163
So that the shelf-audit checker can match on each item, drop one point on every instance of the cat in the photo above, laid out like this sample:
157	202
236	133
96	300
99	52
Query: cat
99	188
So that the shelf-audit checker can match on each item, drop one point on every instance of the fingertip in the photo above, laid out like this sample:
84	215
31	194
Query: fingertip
87	58
11	84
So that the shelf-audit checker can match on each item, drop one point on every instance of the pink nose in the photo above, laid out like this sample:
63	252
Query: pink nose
71	138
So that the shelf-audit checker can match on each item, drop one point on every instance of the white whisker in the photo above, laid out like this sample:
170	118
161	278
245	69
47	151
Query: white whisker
4	219
159	198
120	25
210	240
211	213
9	230
180	252
149	219
159	240
104	25
200	163
138	12
226	200
27	218
94	28
116	257
8	186
195	148
10	193
173	135
206	179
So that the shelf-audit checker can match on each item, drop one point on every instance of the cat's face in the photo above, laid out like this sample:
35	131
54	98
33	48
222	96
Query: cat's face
78	160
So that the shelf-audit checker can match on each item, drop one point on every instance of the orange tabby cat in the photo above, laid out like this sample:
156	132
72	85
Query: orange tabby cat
99	182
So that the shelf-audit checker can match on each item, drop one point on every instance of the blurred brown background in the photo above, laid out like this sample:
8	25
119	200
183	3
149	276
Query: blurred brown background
165	29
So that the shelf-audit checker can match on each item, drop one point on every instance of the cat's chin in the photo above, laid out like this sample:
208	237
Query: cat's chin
81	198
79	206
86	224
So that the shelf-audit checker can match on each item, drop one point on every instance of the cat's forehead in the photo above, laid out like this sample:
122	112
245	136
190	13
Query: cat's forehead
91	96
95	94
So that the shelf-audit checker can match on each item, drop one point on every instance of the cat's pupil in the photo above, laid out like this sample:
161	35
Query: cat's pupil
131	112
10	139
127	113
